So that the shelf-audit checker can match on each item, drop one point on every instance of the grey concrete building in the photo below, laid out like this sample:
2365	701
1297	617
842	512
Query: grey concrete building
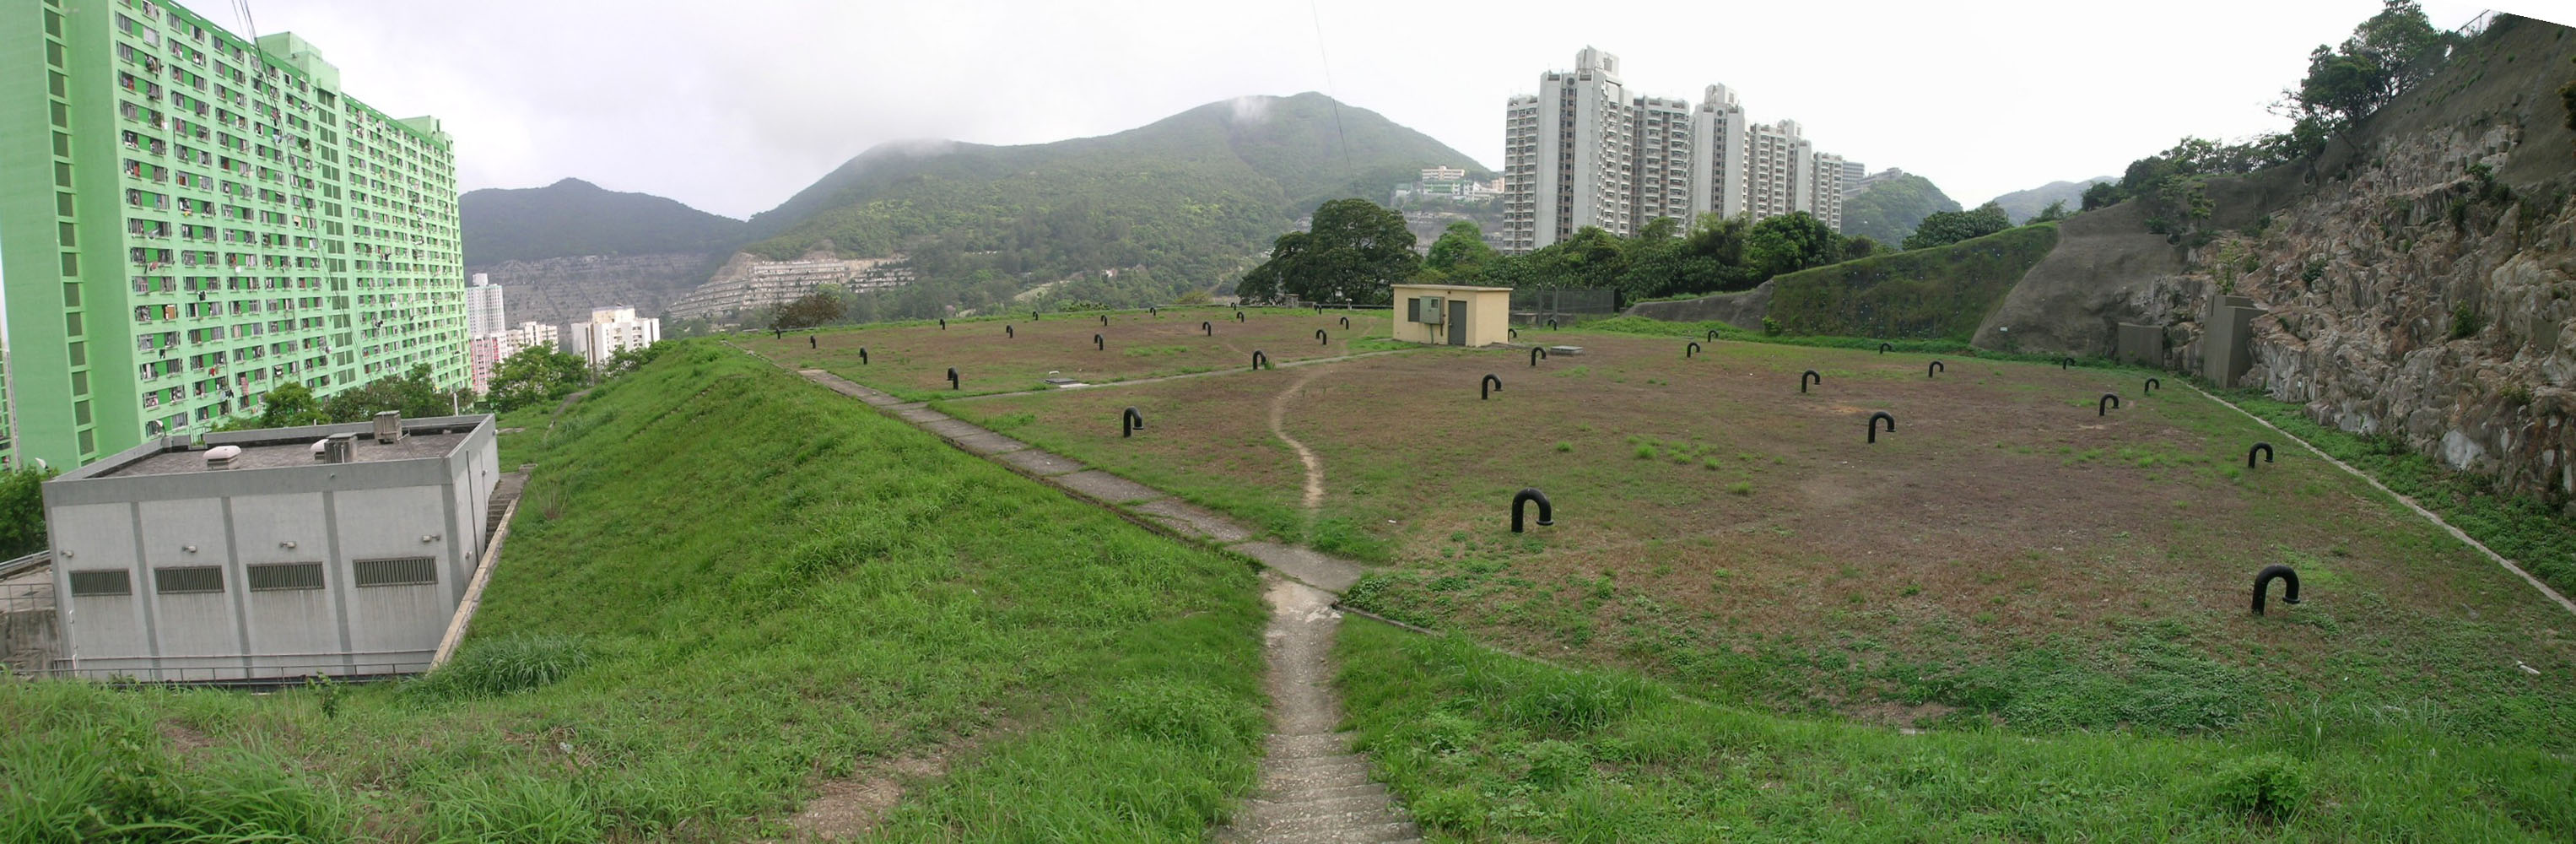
338	550
1568	155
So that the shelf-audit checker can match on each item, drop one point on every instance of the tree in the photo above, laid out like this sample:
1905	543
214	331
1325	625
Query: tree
1352	251
2386	55
536	374
290	405
1460	253
816	308
22	511
412	394
1950	227
1792	242
2054	212
2102	195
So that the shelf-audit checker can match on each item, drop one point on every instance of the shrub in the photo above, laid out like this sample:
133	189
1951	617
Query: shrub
503	666
2464	321
2268	787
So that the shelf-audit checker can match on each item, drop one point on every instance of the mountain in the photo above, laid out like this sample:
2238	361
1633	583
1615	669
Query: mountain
573	217
565	248
1890	210
1188	200
2022	205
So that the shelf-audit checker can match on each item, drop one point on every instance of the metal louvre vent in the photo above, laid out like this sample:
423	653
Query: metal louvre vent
272	577
106	582
188	580
397	571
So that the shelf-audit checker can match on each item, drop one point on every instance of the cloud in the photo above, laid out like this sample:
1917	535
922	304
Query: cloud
732	107
1249	110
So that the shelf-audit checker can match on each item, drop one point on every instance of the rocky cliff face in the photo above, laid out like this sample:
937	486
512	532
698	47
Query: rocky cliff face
562	290
2417	280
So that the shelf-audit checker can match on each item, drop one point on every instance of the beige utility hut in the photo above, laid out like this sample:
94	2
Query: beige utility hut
1452	315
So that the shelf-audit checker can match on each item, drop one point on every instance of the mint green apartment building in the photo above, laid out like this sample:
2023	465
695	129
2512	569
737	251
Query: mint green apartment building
190	218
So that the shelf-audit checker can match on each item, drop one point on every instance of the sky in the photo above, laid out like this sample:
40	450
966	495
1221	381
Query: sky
731	107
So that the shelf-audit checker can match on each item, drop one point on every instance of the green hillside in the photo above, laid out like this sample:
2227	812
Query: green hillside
1890	210
1939	293
1189	198
750	591
574	217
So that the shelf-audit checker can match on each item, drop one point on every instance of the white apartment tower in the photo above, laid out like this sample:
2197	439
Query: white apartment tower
483	308
1583	153
1661	183
611	329
1568	155
1718	128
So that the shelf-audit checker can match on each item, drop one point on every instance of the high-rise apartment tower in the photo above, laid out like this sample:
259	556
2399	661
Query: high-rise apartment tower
1585	152
190	218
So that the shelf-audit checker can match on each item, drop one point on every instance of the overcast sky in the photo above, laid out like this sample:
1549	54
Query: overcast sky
732	106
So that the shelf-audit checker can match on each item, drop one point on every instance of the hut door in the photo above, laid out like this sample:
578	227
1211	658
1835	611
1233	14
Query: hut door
1457	322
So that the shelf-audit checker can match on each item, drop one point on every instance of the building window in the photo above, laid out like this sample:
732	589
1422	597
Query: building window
87	584
188	580
279	577
397	571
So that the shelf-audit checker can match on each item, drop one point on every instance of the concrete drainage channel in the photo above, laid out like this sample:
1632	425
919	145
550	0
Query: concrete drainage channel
1313	788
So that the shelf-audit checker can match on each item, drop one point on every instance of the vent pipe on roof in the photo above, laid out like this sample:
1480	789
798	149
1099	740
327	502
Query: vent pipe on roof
389	427
221	457
340	448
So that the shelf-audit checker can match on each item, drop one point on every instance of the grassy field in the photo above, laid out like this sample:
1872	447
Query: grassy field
2010	555
1488	747
727	591
912	359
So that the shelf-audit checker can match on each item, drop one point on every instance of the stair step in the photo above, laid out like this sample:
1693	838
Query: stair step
1310	806
1308	746
1380	833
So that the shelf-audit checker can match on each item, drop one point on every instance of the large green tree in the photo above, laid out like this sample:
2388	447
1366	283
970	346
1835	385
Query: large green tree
1353	249
1460	254
412	394
2386	54
1791	242
22	511
821	307
290	405
536	374
1951	227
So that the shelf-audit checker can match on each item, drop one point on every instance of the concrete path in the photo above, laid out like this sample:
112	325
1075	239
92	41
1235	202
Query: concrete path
1313	788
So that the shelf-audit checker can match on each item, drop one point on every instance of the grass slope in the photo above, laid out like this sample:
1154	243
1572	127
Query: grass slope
1938	293
1488	747
739	585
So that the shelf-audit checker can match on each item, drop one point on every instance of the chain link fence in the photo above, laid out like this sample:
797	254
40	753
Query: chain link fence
1566	305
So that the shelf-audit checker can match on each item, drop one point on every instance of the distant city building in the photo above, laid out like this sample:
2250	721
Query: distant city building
483	308
1583	152
485	329
611	329
746	284
1660	182
1443	174
1853	171
1862	185
534	335
194	218
1567	155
